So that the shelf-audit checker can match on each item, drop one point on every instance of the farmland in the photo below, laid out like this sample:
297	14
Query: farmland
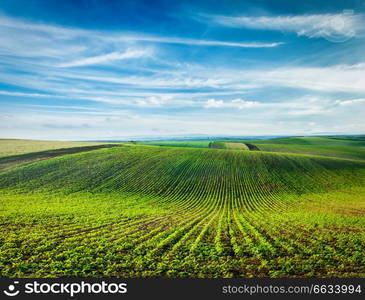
13	161
160	211
9	147
344	147
339	146
228	145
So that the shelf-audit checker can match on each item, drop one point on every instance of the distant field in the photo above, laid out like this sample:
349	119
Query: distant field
152	211
328	146
13	161
189	144
228	145
14	147
342	146
241	146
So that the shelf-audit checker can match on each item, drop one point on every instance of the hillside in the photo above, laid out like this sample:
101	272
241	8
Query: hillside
168	211
151	170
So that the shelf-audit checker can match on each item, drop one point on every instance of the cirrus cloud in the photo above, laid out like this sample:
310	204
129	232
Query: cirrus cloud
310	25
106	58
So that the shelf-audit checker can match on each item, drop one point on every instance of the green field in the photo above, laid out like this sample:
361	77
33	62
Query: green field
336	146
329	146
159	211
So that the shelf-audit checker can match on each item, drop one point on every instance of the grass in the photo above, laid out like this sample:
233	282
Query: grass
152	211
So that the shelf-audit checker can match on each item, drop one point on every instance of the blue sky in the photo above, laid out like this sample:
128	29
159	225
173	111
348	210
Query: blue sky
126	69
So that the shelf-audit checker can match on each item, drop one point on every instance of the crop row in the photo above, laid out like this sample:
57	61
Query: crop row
149	211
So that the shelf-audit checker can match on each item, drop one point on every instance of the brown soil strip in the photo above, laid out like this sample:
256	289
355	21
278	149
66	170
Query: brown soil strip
10	162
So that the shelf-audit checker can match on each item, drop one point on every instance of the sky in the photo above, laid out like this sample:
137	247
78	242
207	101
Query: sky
94	70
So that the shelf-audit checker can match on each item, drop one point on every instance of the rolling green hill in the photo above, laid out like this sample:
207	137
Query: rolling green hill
180	212
155	170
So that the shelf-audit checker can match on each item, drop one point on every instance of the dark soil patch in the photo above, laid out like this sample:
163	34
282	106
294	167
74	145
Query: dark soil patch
252	147
7	163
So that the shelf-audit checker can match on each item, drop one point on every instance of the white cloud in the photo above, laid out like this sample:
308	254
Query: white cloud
307	111
214	103
340	78
305	106
350	102
153	100
169	40
58	31
20	94
51	39
105	58
235	103
30	61
345	78
346	24
41	47
119	124
240	104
